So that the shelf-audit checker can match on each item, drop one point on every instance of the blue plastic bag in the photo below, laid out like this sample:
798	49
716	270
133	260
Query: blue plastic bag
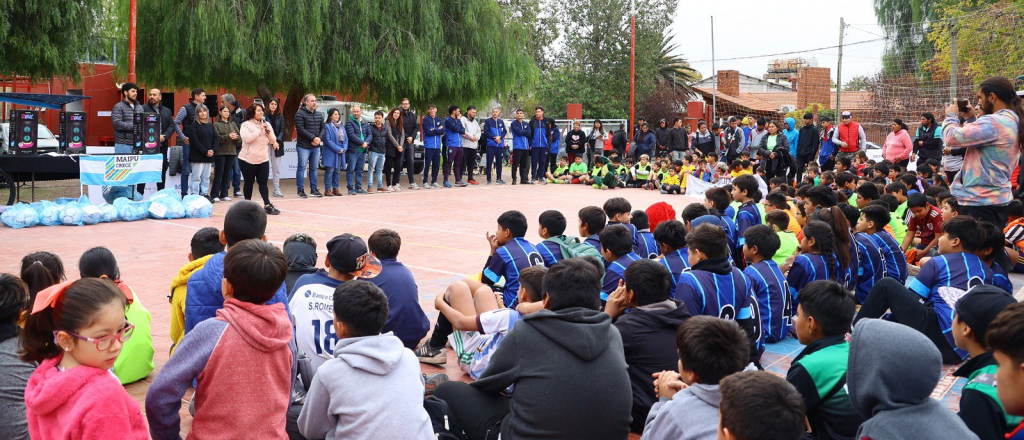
20	216
108	213
166	192
91	213
197	206
130	211
166	208
72	215
50	214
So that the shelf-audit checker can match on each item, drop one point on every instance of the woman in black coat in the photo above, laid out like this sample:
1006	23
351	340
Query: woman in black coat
276	120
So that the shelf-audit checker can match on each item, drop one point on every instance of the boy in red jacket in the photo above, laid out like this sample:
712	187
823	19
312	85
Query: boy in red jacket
242	360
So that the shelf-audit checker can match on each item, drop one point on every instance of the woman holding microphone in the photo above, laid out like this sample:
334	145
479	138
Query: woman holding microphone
254	159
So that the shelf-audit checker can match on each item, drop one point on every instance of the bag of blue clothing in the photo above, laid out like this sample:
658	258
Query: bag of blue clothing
130	211
197	206
72	215
49	215
166	204
20	216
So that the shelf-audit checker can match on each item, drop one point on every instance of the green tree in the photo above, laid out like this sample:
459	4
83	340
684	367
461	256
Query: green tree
988	40
672	68
380	51
857	83
905	23
41	39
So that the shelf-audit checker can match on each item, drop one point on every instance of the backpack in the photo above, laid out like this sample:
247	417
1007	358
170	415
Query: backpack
572	247
442	420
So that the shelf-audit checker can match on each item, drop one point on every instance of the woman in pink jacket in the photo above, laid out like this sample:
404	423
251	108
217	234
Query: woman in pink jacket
898	145
254	159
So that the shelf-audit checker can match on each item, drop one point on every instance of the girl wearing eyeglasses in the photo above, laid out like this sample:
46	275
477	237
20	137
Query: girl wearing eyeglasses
75	331
136	359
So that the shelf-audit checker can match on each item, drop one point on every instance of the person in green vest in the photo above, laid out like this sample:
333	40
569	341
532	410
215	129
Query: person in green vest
980	408
561	173
640	173
824	317
605	176
135	361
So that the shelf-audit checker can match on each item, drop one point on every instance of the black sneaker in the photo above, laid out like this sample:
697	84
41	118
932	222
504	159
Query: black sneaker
271	210
315	193
433	356
302	194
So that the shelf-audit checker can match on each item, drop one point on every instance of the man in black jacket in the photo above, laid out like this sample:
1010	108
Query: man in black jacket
309	135
567	365
648	332
661	136
733	140
166	131
408	158
806	148
619	140
928	144
678	141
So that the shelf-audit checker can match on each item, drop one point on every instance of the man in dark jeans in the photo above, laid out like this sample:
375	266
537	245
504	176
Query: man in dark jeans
182	123
806	148
550	356
166	131
412	128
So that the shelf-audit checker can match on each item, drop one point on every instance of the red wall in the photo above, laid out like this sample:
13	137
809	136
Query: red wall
99	82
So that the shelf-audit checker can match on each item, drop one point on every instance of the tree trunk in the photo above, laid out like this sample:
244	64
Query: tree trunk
291	105
265	94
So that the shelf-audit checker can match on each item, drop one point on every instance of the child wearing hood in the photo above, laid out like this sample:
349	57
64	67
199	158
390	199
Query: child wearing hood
372	388
243	360
892	372
300	251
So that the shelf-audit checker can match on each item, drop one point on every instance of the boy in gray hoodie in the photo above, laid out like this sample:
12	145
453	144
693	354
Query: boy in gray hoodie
709	350
372	389
892	372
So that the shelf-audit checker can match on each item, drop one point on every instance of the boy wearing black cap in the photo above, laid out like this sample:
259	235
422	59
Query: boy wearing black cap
312	303
980	408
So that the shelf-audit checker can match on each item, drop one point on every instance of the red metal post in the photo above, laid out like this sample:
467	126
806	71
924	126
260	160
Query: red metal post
632	71
132	20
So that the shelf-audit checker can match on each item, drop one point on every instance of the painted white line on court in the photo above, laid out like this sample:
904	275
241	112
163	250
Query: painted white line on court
324	250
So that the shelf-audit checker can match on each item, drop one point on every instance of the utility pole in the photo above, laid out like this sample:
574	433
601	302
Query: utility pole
954	70
133	12
632	67
839	69
714	92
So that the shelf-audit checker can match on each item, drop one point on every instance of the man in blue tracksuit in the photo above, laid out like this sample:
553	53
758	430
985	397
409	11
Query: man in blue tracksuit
453	131
540	141
494	132
432	129
520	148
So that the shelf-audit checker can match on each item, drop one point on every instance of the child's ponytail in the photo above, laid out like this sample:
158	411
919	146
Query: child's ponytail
824	243
40	270
69	306
836	220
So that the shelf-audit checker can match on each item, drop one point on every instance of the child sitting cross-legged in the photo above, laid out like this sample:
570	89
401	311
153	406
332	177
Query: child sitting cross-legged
372	388
822	321
980	408
561	172
648	331
671	184
578	170
246	332
709	349
927	302
479	321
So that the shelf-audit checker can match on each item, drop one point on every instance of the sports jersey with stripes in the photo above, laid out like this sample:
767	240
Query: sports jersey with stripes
747	216
943	280
676	261
892	253
726	296
594	240
507	262
614	272
551	252
632	233
872	265
648	245
773	298
850	276
808	268
1000	279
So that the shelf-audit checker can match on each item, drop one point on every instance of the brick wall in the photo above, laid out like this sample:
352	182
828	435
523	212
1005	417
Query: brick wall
729	82
813	86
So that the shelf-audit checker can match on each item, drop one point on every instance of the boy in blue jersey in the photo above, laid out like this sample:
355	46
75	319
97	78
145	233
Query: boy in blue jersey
592	222
991	251
714	287
617	249
871	264
552	226
510	254
769	285
692	212
648	246
873	218
719	199
745	190
671	237
619	212
819	371
926	304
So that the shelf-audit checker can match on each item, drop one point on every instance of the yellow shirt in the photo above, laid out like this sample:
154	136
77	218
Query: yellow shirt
685	173
671	180
742	172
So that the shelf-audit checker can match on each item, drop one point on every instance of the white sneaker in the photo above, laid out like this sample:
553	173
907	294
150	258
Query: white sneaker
215	200
226	199
398	188
414	186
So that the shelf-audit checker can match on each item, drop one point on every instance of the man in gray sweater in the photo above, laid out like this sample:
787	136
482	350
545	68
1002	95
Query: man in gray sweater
709	350
566	366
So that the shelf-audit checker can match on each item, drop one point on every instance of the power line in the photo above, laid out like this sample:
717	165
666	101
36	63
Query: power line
789	53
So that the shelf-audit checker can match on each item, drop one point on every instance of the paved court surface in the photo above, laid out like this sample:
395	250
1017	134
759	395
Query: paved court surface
442	234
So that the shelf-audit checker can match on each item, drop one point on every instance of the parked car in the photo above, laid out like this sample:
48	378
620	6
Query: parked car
874	152
47	141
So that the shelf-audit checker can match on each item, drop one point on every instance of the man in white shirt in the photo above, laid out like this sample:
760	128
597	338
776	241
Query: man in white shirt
470	141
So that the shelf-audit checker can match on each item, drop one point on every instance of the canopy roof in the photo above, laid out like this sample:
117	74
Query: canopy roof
53	102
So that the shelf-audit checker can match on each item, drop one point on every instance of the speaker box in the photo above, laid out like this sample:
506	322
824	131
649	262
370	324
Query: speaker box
24	132
72	132
147	133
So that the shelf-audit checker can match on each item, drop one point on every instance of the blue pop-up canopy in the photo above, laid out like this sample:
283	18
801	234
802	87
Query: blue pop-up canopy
53	102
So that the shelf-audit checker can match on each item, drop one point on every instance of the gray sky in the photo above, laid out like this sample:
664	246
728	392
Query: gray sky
748	28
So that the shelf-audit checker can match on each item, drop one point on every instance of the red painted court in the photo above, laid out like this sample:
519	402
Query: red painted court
442	239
